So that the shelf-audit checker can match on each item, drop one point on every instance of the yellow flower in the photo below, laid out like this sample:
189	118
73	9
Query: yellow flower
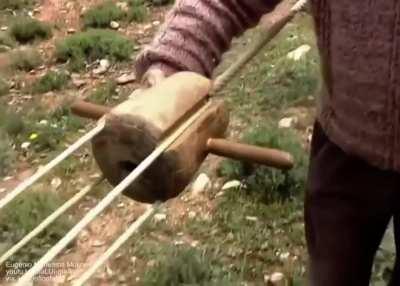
33	136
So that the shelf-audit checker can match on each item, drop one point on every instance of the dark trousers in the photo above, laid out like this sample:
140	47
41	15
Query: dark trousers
347	209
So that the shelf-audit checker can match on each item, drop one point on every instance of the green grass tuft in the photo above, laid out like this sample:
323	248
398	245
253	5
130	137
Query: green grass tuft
7	153
11	123
4	87
23	215
6	42
274	82
274	184
26	30
16	4
183	266
103	93
26	60
101	15
50	81
138	11
92	45
179	267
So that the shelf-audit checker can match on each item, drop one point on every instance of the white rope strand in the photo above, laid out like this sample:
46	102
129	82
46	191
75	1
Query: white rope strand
50	219
53	163
116	245
112	195
260	42
299	5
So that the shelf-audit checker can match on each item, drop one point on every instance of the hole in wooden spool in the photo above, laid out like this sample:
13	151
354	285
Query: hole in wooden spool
127	167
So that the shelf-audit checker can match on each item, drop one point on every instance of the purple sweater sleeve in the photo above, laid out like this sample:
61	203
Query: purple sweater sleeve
197	32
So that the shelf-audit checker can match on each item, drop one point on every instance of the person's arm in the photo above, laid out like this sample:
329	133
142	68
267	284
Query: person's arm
197	32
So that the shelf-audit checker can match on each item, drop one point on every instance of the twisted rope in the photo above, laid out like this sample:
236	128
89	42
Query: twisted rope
49	166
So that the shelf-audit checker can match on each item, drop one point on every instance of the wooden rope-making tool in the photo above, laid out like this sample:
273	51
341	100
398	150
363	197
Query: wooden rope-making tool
150	146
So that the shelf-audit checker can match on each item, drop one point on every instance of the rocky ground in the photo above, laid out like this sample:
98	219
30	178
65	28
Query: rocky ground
236	225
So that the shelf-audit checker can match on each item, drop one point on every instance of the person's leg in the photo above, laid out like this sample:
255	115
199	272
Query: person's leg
346	214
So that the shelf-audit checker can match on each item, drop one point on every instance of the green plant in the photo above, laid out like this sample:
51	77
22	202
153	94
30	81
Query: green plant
50	81
275	184
183	266
7	153
6	42
273	81
137	11
23	214
101	15
26	29
16	4
103	93
11	122
91	45
4	87
26	60
45	137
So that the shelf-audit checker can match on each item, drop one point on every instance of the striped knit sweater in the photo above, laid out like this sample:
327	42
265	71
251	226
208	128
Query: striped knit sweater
359	47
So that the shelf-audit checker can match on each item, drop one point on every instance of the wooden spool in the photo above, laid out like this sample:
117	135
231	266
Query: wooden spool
134	128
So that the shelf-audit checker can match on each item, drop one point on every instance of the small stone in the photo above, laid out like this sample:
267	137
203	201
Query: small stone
194	243
146	27
299	53
84	236
220	194
43	122
265	245
123	6
287	122
126	78
71	31
114	25
284	256
276	277
151	263
78	82
179	242
133	260
104	65
95	176
56	183
109	271
192	214
201	184
4	28
8	178
98	243
160	217
156	23
121	278
267	278
251	218
25	145
231	185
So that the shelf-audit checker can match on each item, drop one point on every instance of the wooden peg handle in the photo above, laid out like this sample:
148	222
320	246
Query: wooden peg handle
89	110
265	156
